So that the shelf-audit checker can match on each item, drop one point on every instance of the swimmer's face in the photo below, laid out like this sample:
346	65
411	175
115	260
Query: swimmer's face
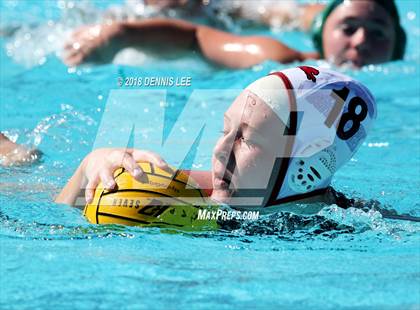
360	32
244	155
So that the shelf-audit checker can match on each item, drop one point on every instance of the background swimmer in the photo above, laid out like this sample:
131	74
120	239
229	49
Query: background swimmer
217	46
355	32
259	129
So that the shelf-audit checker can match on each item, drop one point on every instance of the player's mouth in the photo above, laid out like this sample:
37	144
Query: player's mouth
222	181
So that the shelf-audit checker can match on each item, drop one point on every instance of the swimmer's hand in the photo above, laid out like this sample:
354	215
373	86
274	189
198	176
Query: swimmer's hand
12	154
85	40
99	166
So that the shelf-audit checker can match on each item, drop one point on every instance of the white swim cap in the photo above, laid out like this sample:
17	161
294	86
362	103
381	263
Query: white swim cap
329	115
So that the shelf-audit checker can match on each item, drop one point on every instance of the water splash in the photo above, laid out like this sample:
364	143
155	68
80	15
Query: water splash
67	118
330	222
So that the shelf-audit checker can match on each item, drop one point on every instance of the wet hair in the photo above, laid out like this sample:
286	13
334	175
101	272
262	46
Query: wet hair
389	6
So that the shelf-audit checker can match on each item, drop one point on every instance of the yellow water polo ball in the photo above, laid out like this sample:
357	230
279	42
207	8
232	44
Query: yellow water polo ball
167	200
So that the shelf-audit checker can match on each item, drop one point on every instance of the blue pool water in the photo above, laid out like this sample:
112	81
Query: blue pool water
50	257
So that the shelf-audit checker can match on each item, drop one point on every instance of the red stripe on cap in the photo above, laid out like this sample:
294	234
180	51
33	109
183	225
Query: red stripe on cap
285	80
273	200
280	169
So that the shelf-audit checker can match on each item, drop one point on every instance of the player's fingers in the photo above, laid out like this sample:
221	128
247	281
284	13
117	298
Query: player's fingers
74	60
70	53
106	176
133	168
140	155
90	189
68	46
80	31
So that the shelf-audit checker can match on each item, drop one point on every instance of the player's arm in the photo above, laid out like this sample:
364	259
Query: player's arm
219	47
242	51
73	189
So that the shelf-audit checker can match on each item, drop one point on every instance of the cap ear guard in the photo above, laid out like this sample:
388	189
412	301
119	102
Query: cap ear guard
308	174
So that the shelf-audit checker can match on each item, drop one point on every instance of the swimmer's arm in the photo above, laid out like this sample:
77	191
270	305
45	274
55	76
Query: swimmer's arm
158	30
73	189
244	51
220	47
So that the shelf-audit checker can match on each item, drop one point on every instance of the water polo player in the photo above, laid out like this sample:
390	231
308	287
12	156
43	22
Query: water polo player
284	138
356	32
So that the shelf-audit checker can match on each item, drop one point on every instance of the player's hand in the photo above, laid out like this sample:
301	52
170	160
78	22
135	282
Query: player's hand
85	40
99	166
12	154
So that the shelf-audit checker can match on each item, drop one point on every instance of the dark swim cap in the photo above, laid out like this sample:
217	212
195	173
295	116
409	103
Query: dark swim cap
388	5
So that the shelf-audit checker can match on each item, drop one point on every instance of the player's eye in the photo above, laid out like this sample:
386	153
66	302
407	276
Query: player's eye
348	29
246	142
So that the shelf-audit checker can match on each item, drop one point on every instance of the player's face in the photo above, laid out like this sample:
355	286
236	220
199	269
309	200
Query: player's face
359	32
244	155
